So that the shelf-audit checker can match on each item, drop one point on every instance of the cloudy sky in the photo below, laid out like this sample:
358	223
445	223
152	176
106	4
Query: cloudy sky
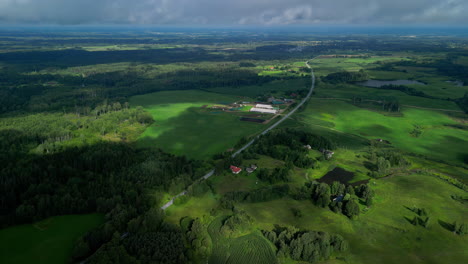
234	12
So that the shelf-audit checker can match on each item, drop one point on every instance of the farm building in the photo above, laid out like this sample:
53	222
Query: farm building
263	110
264	106
235	169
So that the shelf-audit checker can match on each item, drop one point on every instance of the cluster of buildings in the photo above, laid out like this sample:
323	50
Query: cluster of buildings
237	170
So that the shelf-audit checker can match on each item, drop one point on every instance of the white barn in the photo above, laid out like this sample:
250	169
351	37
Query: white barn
264	106
263	110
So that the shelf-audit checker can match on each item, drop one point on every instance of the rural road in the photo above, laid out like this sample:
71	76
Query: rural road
286	116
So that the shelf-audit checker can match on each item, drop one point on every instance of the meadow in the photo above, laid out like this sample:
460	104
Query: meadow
48	241
183	127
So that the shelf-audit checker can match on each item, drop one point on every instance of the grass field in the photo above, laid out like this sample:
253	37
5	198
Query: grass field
182	127
49	241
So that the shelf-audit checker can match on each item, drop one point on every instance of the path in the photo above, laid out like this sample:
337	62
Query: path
286	116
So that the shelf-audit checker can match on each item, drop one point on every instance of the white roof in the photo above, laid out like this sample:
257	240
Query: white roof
264	106
262	110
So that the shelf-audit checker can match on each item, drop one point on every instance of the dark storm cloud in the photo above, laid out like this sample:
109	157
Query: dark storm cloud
215	12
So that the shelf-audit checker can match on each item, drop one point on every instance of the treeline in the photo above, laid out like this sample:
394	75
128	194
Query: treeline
289	145
407	90
259	195
346	77
310	246
463	103
389	104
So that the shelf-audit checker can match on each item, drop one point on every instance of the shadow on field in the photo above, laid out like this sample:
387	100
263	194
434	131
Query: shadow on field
446	225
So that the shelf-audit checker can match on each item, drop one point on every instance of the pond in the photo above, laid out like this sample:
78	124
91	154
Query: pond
380	83
456	83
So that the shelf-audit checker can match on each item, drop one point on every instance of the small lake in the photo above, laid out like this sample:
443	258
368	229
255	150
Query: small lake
379	83
457	83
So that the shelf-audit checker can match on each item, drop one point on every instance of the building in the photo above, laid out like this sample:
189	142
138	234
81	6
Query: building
263	110
264	106
235	169
251	169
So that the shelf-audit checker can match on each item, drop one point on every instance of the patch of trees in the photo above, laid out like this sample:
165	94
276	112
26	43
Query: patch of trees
386	104
407	90
421	218
463	103
383	161
337	197
460	228
274	176
246	64
288	145
236	223
346	77
309	246
197	238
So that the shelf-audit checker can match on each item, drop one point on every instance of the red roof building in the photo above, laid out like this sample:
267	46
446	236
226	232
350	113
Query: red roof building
235	169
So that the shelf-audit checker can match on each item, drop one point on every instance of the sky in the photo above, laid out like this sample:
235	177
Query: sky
235	12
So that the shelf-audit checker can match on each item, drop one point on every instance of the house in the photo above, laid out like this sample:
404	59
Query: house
271	99
309	147
251	169
235	169
327	153
339	198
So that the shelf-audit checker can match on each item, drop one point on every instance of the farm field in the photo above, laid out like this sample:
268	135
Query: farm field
182	127
48	241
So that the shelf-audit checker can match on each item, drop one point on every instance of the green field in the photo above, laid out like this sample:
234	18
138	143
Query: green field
48	241
182	127
437	139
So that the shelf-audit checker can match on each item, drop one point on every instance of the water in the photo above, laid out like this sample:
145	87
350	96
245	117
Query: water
457	83
379	83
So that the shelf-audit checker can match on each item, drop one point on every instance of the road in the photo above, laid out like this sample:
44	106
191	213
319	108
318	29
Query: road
286	116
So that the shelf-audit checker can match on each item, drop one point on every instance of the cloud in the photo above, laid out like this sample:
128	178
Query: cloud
234	12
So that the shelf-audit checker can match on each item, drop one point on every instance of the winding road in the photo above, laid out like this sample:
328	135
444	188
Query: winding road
286	116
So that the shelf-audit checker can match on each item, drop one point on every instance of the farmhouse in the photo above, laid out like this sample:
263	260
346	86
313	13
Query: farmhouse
235	169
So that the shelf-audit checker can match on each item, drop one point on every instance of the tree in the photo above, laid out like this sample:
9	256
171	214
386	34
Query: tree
351	209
